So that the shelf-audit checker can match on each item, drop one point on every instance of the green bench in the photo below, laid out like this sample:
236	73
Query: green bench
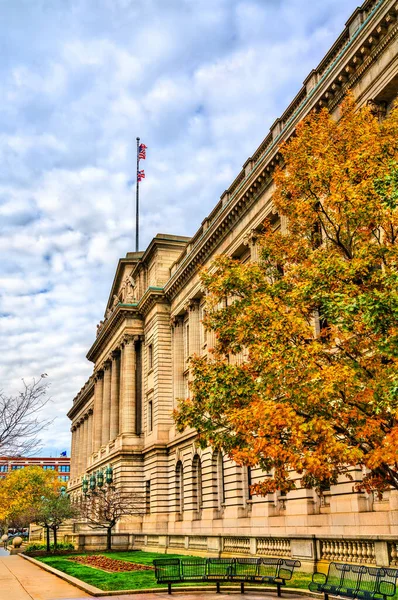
228	570
356	581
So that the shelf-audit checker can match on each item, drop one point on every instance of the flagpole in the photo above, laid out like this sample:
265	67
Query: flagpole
137	200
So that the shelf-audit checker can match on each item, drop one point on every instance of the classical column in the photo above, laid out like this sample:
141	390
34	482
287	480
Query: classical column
106	404
83	445
127	422
98	393
73	452
115	391
78	449
178	359
85	442
194	327
121	386
89	435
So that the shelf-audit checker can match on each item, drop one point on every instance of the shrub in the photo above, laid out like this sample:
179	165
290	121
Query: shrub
34	546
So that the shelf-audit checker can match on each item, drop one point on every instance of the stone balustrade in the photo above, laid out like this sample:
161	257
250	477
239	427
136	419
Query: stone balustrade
273	547
353	551
236	545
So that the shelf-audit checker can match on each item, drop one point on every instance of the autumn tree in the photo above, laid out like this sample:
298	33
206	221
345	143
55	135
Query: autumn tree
316	317
22	491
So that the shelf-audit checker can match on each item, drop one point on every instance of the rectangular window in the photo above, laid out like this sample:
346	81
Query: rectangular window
3	468
249	483
16	467
148	497
150	357
63	477
186	386
150	415
186	342
203	330
49	467
64	469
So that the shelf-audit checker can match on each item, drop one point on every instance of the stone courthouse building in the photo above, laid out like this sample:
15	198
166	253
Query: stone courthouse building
200	500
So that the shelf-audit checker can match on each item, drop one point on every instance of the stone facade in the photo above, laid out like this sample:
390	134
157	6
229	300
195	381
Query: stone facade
152	324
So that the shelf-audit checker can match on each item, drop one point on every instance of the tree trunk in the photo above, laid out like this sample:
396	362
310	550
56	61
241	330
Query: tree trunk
109	538
55	537
48	538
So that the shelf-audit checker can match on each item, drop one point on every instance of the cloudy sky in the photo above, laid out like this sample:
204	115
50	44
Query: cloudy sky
200	81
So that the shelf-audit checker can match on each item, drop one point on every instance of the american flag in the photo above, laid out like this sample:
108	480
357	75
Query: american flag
140	175
142	151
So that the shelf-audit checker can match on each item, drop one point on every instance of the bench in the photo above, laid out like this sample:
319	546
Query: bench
356	581
242	570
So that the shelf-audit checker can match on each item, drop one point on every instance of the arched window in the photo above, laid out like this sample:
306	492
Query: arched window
179	487
197	492
218	479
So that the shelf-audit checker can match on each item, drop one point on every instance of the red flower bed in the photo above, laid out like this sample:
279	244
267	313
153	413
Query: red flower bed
112	565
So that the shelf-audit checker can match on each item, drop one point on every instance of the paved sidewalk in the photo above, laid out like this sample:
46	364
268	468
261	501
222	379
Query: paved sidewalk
210	595
21	580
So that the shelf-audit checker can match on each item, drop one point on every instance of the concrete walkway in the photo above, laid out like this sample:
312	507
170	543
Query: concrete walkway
21	580
211	595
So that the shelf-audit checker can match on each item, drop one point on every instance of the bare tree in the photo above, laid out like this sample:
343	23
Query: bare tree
21	419
105	507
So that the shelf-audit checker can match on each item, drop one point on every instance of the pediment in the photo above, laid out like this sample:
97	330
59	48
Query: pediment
124	289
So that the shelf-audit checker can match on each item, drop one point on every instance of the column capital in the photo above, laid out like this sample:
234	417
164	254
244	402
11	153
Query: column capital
176	320
127	340
191	305
98	375
130	338
251	237
107	364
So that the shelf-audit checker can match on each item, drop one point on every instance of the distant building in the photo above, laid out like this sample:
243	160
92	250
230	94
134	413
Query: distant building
61	465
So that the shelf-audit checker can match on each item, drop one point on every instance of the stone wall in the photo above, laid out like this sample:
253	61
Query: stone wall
312	551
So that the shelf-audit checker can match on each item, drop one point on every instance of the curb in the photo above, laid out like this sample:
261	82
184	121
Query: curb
86	587
96	592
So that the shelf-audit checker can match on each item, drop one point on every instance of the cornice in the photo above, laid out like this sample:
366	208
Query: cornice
153	295
120	313
81	398
340	69
222	225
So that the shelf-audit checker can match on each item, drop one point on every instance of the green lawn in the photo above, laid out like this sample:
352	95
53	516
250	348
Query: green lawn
131	580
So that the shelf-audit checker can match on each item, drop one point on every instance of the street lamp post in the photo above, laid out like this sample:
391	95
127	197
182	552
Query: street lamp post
97	487
97	480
